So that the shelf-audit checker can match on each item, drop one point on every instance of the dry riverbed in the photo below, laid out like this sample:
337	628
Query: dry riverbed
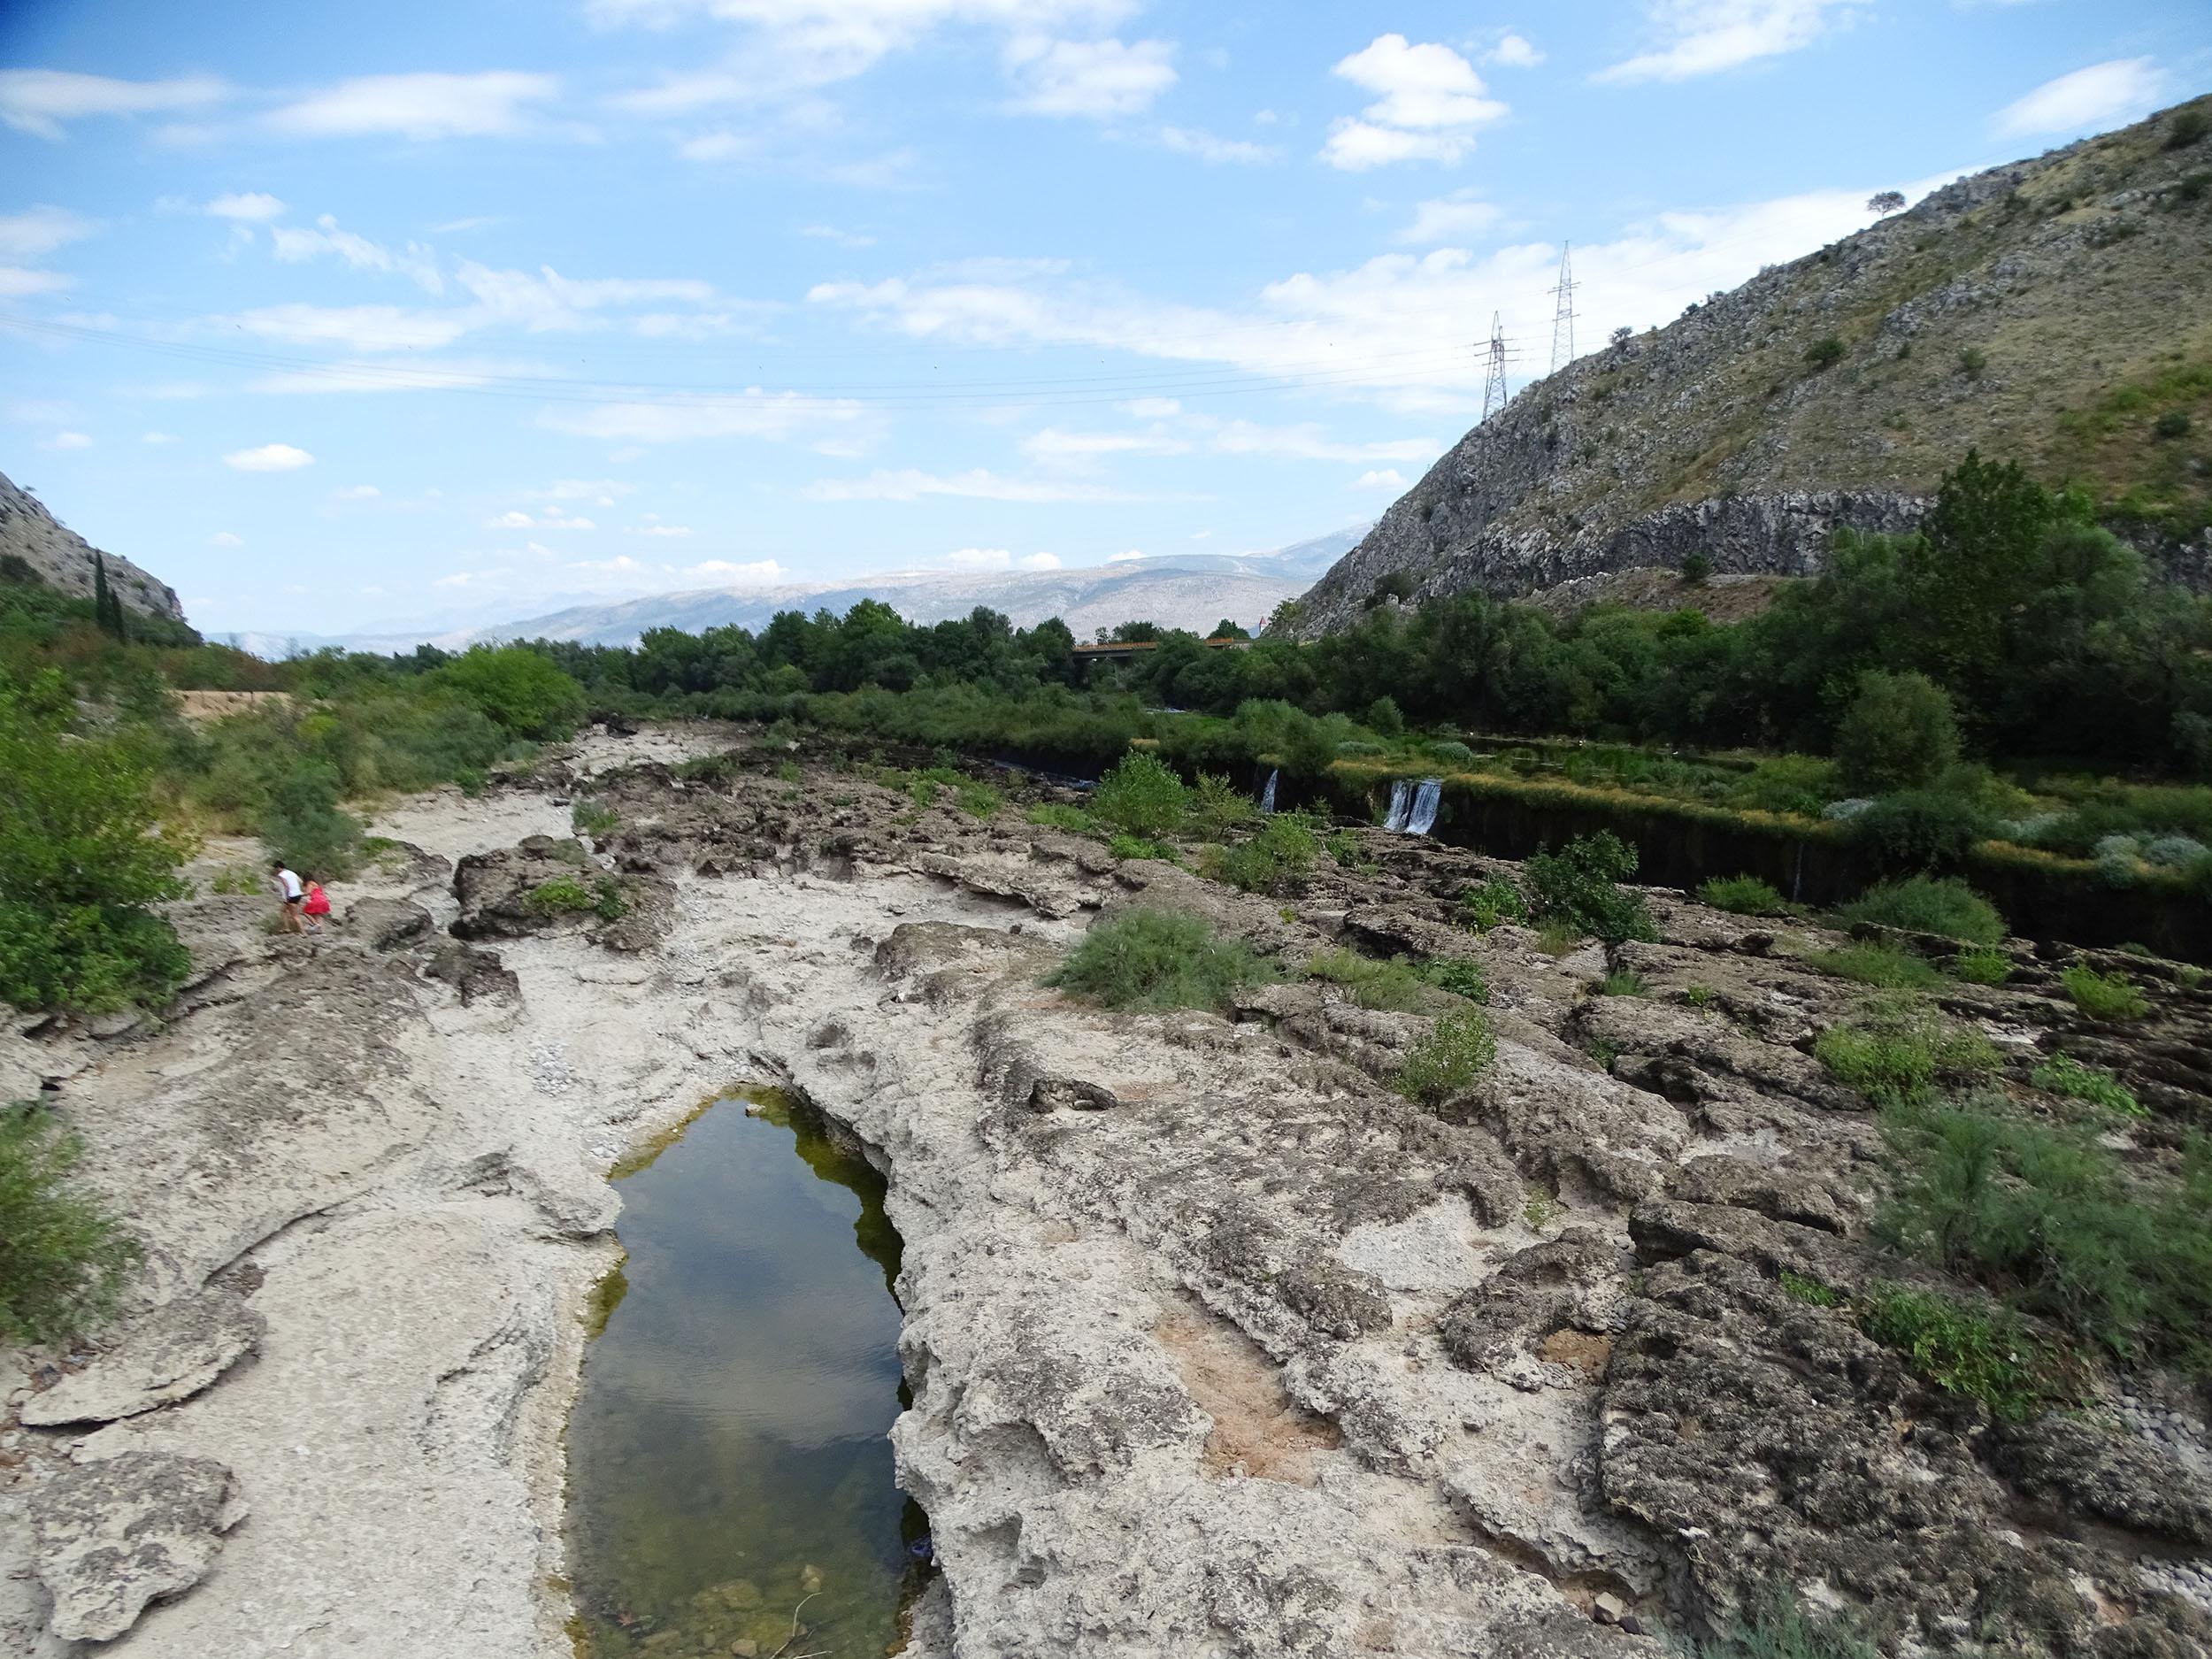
1216	1344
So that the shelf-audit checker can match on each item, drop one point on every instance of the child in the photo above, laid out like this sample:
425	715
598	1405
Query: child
316	907
289	890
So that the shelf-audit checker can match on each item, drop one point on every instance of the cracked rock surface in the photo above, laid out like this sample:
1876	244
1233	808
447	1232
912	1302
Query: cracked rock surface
1216	1344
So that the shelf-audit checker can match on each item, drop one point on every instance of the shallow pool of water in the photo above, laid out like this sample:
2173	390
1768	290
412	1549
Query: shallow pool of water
727	1464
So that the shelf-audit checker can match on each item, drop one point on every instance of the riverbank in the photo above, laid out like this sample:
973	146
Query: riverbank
1215	1342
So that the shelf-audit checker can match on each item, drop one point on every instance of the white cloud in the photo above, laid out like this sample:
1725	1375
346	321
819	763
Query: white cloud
1432	102
757	574
1038	561
17	282
981	558
601	491
38	101
554	518
1152	407
357	492
1387	478
293	244
715	146
270	457
842	238
39	411
1455	217
511	521
40	231
67	441
910	484
158	437
1703	37
1514	51
2101	95
658	529
754	413
224	538
495	104
1191	141
1056	448
253	207
1100	79
1396	329
353	327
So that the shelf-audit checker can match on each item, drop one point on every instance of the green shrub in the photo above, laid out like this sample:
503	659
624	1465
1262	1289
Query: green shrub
1138	847
1919	829
594	817
1621	982
1825	353
1458	976
562	893
789	771
1898	1055
2186	127
978	800
1929	904
1385	716
1577	887
1343	846
1981	1353
1697	568
1153	959
1777	1626
1787	783
1899	732
2174	423
62	1256
1450	1059
82	861
1797	1287
2110	997
2049	1213
1745	895
1888	966
521	691
1218	806
304	826
1982	966
1451	752
1497	900
1060	816
2063	1074
1141	795
1283	851
1394	986
1699	995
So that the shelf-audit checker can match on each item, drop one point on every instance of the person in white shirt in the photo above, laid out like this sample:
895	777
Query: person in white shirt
292	893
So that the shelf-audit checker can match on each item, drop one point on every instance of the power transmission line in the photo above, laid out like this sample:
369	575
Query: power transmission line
1494	392
1562	328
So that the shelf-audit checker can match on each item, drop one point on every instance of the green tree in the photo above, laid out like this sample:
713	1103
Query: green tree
1899	734
82	861
525	692
62	1258
1974	563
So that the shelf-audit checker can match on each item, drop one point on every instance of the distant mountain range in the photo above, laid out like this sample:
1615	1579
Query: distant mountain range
1191	591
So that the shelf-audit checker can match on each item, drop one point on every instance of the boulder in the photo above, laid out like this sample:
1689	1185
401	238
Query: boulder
171	1355
110	1537
388	924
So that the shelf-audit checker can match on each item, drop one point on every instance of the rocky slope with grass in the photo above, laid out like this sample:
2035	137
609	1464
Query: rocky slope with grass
1388	1286
2055	311
61	558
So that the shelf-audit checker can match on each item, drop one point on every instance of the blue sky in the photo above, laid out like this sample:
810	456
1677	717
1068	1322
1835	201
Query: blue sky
464	309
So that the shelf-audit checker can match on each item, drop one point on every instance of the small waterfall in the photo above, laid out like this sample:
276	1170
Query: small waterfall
1423	819
1401	803
1267	795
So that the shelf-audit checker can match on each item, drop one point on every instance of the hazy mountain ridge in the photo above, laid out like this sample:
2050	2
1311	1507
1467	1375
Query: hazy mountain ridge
1186	591
2048	310
63	559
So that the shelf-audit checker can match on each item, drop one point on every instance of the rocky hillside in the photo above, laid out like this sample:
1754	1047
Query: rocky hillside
63	559
2057	312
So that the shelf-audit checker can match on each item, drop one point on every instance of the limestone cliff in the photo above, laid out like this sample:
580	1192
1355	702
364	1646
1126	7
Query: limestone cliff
2053	311
62	558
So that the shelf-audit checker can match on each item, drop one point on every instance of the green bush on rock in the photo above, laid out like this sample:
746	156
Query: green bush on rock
1929	904
1449	1059
62	1256
1151	959
1578	886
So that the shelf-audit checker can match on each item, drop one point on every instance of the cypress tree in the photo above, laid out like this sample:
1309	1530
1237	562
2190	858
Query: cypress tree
100	597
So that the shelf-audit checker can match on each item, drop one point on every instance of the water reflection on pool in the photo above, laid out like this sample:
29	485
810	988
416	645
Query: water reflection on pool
727	1464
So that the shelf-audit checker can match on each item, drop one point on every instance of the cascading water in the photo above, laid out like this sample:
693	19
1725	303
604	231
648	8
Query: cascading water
1267	795
1401	803
1425	799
